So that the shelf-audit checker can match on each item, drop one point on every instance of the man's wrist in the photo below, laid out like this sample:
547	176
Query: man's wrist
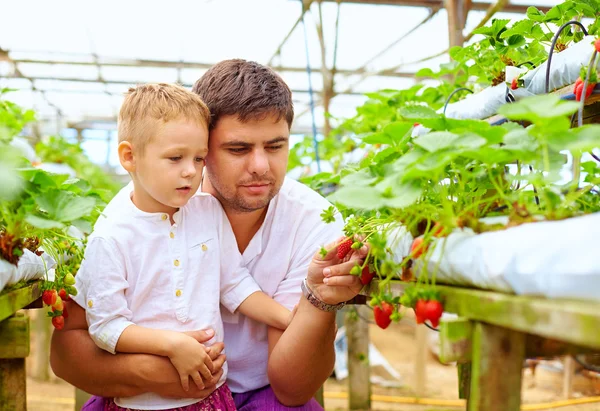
315	299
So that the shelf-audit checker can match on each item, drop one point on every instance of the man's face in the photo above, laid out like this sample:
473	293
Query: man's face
247	161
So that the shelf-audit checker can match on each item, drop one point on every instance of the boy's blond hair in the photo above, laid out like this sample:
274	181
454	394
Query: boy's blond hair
148	107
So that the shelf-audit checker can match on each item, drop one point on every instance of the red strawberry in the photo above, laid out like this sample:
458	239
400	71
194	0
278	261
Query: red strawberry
578	89
366	276
438	230
597	45
383	314
514	85
433	312
63	295
65	312
417	247
58	322
420	311
416	124
58	305
49	297
344	248
590	89
578	81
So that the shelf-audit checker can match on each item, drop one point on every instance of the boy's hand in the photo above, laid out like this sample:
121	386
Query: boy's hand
190	359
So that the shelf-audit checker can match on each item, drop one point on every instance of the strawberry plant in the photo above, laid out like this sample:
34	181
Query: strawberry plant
456	176
40	212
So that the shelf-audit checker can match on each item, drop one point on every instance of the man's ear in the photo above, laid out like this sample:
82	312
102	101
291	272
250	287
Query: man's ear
126	156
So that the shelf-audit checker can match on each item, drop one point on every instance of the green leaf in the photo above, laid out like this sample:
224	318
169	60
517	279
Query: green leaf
577	140
534	14
398	130
470	141
536	109
43	223
83	225
65	206
436	141
423	115
76	185
377	138
520	140
365	198
403	194
360	178
522	27
516	41
425	72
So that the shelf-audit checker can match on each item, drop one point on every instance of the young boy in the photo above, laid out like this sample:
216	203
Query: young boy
161	266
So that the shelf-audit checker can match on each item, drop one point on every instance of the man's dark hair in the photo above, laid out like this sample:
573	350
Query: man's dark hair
245	89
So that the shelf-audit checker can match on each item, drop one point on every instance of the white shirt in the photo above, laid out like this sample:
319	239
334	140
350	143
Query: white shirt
140	269
277	257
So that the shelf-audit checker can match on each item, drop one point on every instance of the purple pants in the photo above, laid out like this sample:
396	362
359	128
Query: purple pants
262	399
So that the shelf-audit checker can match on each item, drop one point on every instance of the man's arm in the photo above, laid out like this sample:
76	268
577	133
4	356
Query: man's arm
302	357
75	358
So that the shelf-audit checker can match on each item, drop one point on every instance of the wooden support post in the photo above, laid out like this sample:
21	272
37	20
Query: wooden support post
568	374
359	373
326	74
41	352
455	10
14	334
497	366
464	380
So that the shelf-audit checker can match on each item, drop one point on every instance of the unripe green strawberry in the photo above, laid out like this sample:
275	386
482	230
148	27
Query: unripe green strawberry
69	279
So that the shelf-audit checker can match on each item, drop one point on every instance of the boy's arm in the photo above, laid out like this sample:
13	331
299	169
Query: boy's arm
239	291
75	358
262	308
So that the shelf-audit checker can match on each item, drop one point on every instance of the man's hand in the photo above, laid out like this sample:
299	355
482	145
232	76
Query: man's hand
329	277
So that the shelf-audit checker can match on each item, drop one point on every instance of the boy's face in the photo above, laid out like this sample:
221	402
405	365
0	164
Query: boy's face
247	161
169	171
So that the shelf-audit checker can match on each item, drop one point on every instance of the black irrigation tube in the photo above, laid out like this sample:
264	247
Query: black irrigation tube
453	93
554	40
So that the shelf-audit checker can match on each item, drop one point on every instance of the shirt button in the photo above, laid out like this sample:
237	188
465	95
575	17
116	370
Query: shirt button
172	235
164	216
176	262
204	247
178	293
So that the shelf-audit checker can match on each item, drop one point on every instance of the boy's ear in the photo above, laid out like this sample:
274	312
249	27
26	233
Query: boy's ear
126	156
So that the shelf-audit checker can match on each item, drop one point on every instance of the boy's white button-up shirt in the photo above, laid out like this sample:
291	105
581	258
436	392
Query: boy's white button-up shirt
277	257
141	269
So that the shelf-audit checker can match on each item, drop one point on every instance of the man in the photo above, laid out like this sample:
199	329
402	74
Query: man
278	228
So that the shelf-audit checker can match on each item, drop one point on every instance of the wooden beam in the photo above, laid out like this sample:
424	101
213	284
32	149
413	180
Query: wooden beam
173	65
305	7
476	5
359	373
84	80
497	368
12	301
455	25
533	315
13	385
14	334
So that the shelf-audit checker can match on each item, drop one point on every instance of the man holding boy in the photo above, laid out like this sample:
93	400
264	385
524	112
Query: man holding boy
278	229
